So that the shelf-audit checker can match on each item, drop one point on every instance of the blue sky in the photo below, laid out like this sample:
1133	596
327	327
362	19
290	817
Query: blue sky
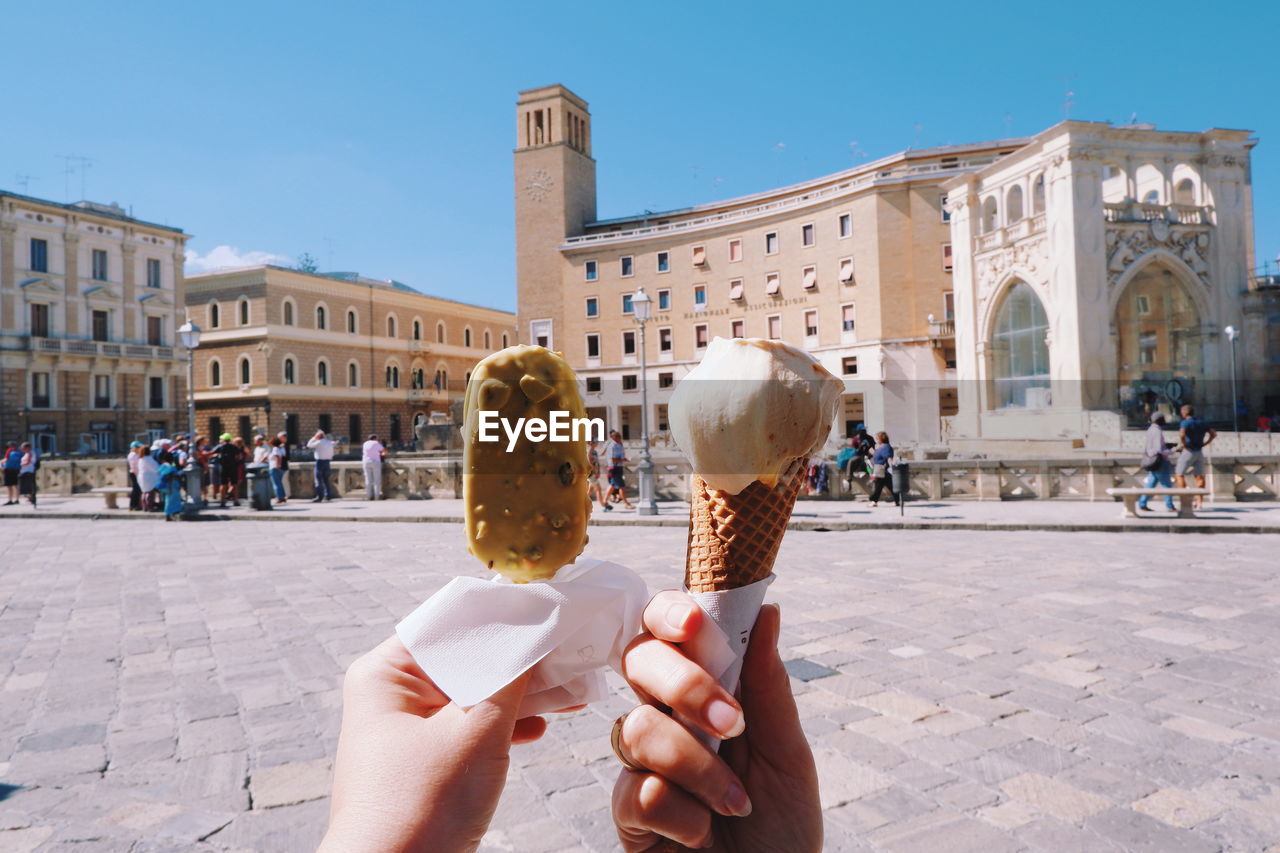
379	139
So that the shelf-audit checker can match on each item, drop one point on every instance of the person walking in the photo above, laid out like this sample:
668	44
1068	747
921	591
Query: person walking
27	472
275	459
322	448
12	463
135	490
1195	435
226	456
616	455
594	492
371	458
284	462
1155	461
880	460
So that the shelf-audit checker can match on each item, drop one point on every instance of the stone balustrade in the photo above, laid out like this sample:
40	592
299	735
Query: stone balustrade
1229	477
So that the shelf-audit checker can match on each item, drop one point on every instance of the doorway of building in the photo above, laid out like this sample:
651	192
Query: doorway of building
1159	346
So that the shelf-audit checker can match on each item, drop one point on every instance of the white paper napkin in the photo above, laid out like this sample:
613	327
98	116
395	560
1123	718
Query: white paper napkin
474	636
734	612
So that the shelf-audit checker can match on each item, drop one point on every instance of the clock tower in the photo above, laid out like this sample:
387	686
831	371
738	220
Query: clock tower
555	195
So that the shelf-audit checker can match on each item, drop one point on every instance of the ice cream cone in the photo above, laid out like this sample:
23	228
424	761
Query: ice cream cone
734	539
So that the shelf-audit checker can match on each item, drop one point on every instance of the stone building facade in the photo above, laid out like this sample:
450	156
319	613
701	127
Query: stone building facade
893	273
88	316
283	350
1096	269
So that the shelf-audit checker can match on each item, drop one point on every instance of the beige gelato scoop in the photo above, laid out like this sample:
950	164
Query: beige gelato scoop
750	409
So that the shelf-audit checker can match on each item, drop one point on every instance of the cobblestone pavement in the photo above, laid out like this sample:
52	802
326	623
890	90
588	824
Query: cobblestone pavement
177	688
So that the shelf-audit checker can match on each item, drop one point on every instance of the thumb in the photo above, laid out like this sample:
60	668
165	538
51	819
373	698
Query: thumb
496	716
773	721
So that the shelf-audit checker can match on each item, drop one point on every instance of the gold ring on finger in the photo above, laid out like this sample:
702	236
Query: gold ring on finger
615	741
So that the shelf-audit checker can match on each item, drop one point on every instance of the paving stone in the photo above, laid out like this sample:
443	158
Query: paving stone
288	784
1178	808
1139	832
1053	797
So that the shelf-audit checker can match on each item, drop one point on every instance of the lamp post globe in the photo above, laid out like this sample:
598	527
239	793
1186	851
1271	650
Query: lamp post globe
1232	333
641	305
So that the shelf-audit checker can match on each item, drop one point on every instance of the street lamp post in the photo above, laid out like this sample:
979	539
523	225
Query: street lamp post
189	335
1232	333
647	505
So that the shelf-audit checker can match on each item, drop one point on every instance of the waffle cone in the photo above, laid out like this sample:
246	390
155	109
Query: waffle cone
734	539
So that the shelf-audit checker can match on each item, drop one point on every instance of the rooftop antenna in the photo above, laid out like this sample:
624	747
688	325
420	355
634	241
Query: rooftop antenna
917	127
1068	100
1133	119
24	180
328	242
68	170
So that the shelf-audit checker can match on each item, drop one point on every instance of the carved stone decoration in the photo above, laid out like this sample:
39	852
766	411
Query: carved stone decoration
1027	256
1126	244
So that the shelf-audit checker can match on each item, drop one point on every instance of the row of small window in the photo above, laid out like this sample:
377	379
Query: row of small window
353	323
631	381
737	289
737	329
99	271
100	325
102	391
417	377
772	245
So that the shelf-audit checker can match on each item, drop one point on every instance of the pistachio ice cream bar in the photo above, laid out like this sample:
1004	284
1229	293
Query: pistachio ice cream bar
525	480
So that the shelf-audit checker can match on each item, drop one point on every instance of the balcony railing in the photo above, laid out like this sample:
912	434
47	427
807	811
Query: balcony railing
1025	227
940	330
103	348
1176	214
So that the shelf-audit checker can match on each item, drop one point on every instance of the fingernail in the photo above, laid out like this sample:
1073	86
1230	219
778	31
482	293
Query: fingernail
724	718
736	801
678	615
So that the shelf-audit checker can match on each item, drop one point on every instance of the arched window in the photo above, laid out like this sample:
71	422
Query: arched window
1013	204
417	330
321	319
288	312
504	340
419	379
1152	197
440	332
1148	180
1020	351
391	326
990	215
466	336
1037	195
1185	192
393	376
215	374
215	315
244	371
488	340
243	307
353	375
351	321
322	372
290	375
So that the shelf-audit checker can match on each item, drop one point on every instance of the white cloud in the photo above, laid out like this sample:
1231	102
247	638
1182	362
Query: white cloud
226	257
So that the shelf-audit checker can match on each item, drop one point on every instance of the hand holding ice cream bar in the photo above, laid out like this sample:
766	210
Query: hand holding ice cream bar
553	612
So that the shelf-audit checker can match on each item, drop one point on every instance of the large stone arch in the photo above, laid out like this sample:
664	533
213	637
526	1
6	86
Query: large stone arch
1159	362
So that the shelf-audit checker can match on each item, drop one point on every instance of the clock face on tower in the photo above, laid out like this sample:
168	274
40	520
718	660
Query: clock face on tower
538	184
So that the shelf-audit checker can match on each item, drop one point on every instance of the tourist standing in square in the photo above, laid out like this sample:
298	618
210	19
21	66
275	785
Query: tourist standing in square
371	457
1195	435
322	446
